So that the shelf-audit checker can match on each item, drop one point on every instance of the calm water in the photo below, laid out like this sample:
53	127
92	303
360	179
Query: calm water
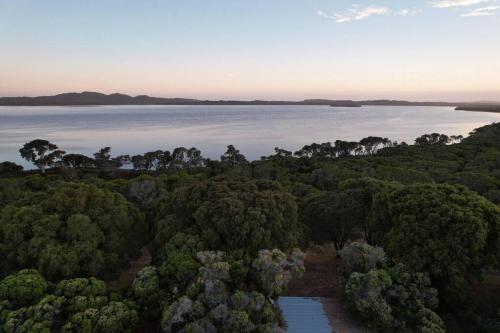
304	314
255	130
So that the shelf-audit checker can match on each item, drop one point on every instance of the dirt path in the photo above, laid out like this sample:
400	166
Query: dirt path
321	280
128	276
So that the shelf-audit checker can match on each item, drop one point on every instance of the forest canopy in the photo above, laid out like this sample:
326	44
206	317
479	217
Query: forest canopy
181	243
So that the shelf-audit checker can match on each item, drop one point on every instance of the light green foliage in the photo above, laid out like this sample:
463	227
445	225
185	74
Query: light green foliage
116	317
38	318
146	290
394	299
24	288
81	287
364	293
274	270
178	259
362	258
81	294
70	230
77	305
213	303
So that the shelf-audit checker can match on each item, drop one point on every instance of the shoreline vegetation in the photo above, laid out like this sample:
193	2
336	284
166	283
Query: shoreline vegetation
94	98
187	244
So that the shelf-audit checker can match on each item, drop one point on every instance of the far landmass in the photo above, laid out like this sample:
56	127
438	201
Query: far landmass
94	98
481	107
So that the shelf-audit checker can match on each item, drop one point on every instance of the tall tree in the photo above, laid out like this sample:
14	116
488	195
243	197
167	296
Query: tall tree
77	161
233	157
42	153
333	217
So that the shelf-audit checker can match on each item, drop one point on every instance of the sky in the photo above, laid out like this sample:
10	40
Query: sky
253	49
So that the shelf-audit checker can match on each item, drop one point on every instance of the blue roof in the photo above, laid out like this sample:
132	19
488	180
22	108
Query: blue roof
304	315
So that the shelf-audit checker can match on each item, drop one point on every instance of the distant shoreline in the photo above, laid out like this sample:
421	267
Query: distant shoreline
494	108
98	99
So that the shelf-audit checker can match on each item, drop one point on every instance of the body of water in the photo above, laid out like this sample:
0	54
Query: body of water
255	130
304	314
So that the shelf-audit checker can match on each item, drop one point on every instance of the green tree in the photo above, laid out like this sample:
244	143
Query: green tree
361	258
333	217
445	230
42	153
432	139
214	303
38	318
78	161
71	230
394	300
362	191
115	317
24	288
233	157
232	214
146	290
10	169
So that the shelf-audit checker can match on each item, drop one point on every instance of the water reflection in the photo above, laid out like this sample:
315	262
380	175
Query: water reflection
255	130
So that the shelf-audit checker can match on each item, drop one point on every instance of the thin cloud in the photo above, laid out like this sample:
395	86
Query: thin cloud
355	13
408	12
484	11
457	3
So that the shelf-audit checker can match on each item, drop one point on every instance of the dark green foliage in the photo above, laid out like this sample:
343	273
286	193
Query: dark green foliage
78	161
333	217
42	153
432	139
444	230
103	160
71	230
232	214
232	157
391	193
10	169
159	160
372	220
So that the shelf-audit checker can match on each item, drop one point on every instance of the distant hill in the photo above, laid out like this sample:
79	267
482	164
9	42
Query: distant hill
482	107
91	98
95	98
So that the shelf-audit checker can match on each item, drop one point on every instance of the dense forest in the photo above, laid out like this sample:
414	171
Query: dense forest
416	228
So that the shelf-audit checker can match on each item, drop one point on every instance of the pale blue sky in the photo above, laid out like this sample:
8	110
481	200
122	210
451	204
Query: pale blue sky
279	49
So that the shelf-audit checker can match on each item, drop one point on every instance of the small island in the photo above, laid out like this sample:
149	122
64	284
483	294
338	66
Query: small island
346	104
